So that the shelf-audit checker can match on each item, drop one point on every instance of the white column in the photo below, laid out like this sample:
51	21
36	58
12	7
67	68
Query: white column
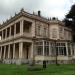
71	49
74	49
43	48
20	49
8	51
0	52
2	34
6	34
10	31
4	51
21	27
32	50
14	51
66	48
14	29
49	49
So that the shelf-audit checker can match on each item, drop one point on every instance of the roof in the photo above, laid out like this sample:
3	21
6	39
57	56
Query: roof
26	14
32	16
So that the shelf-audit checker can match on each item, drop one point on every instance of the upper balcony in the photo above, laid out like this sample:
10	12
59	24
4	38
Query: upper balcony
20	28
27	28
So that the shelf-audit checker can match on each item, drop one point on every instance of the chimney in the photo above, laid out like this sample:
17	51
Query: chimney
39	13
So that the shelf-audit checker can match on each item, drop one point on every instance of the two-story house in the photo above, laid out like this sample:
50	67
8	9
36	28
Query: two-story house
26	36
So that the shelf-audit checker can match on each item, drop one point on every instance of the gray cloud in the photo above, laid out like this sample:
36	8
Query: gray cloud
9	7
48	7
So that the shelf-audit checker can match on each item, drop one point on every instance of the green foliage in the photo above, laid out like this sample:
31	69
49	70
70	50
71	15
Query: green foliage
70	20
71	13
6	69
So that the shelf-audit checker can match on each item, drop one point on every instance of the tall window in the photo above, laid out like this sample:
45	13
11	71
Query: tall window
39	47
8	31
40	52
38	29
46	49
27	26
69	50
53	52
60	47
4	33
45	31
17	27
54	33
12	30
61	32
69	36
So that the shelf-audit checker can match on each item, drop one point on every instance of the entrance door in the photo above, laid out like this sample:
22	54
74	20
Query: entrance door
27	52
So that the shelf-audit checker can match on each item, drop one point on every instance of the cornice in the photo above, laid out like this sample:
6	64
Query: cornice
24	14
57	22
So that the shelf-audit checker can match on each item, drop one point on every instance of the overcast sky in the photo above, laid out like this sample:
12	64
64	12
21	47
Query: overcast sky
48	8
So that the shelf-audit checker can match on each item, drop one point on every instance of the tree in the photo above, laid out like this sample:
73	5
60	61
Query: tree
70	20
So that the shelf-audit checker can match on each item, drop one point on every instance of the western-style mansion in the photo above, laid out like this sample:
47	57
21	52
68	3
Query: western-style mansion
26	37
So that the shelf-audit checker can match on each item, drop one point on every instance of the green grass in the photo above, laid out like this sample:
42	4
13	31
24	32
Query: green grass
6	69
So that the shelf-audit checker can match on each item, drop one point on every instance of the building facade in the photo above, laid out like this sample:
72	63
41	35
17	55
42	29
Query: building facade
26	37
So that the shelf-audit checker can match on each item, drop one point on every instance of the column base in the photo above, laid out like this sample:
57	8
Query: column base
15	61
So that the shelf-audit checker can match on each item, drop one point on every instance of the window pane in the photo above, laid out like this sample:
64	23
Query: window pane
46	50
39	50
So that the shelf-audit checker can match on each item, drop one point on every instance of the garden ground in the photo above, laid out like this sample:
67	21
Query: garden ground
12	69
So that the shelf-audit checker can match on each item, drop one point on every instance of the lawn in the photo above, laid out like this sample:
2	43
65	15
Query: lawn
6	69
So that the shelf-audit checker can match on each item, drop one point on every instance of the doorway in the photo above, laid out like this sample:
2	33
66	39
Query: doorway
26	50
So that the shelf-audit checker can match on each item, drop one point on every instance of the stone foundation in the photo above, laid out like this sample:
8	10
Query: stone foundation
24	61
54	62
15	61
